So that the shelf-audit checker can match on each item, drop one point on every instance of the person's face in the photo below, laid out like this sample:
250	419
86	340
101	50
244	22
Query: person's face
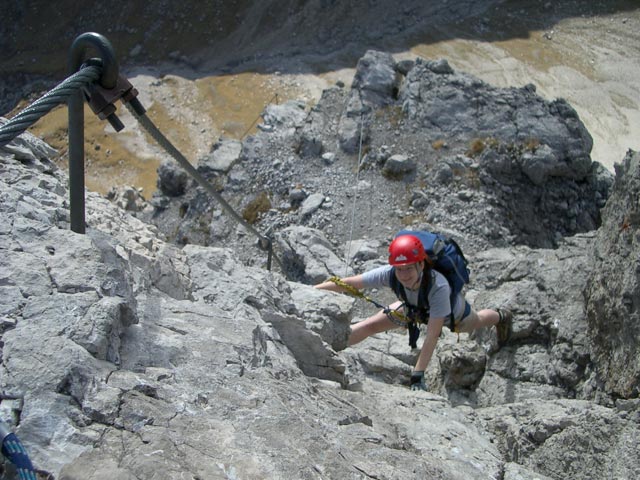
409	275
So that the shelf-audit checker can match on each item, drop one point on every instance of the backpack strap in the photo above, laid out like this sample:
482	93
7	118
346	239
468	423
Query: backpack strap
423	294
422	310
417	314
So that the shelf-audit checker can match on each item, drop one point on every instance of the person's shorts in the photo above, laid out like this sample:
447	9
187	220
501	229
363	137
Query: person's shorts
469	314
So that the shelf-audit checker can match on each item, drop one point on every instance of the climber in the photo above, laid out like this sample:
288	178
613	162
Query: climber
425	292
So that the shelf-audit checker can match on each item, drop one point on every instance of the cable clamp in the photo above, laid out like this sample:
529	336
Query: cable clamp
102	100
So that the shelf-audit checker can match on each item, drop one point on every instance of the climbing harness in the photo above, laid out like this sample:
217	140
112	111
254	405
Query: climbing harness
397	317
98	81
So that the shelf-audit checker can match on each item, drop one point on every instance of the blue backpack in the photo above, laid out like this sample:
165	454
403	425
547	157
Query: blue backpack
446	257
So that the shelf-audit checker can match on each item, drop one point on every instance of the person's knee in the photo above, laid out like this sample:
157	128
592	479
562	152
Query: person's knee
372	325
488	317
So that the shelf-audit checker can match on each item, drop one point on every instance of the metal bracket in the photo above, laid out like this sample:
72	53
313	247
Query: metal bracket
102	100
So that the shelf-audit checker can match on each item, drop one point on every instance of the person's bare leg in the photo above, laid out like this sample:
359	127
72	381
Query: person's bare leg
375	324
483	318
487	318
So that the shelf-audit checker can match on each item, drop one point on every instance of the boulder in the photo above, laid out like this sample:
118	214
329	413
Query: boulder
172	179
224	154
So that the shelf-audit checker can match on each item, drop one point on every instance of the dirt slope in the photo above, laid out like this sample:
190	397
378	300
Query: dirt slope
206	71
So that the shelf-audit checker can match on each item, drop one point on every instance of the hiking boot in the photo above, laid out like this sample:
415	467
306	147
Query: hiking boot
503	327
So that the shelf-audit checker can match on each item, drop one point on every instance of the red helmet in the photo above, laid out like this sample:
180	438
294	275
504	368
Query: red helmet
405	250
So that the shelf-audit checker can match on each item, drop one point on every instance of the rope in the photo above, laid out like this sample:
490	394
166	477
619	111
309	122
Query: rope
355	199
149	126
258	117
58	95
394	315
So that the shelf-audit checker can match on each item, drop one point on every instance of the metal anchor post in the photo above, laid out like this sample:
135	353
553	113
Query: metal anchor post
108	80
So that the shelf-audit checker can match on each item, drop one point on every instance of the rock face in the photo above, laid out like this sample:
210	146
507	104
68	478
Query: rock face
127	356
613	292
459	105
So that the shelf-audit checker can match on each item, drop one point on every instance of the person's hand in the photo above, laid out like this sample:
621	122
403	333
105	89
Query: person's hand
417	381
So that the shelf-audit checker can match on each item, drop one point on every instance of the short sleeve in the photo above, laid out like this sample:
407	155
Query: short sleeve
439	303
378	277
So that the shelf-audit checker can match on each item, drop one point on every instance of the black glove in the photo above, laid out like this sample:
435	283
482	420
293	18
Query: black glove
417	381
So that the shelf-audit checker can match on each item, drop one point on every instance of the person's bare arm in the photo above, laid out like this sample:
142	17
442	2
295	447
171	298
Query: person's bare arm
355	281
429	344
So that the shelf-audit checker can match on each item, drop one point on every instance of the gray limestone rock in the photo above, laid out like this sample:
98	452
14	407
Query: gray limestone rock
376	79
312	203
308	255
398	165
224	154
613	290
124	355
172	179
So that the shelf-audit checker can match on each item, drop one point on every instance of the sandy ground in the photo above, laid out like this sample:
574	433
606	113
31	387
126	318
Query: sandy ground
592	62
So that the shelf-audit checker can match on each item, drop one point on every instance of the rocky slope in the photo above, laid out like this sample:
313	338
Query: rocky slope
408	143
208	71
127	355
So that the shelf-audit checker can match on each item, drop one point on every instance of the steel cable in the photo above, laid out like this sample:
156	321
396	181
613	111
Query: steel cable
58	95
88	75
164	142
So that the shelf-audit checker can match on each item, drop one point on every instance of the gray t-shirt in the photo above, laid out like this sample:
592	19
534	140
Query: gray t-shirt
438	297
